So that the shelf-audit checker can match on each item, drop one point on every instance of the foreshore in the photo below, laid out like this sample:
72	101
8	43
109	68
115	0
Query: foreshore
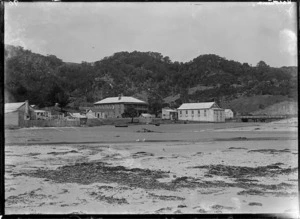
188	169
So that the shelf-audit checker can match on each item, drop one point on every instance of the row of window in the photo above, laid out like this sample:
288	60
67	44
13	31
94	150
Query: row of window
204	112
199	112
105	106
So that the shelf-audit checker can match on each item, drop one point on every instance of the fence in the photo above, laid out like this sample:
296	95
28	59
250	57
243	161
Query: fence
48	123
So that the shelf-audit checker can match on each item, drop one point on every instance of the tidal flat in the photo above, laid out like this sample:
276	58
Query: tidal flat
187	168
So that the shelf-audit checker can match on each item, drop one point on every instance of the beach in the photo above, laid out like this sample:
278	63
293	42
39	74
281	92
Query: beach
147	169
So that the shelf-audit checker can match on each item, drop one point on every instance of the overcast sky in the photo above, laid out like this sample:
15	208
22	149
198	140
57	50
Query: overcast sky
76	32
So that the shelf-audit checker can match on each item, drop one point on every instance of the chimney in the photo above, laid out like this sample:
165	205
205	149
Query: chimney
26	113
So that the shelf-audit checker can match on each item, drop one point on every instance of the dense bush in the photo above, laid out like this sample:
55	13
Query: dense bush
46	80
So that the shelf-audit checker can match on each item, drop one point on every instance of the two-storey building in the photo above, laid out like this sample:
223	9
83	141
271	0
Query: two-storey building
114	107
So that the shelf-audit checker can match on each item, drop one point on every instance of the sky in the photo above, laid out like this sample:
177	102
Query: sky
76	32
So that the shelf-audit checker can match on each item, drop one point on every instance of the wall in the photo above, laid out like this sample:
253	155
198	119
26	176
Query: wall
11	119
117	109
206	115
228	114
219	115
165	114
48	123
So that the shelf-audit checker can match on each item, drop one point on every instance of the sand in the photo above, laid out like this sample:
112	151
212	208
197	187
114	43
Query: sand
191	169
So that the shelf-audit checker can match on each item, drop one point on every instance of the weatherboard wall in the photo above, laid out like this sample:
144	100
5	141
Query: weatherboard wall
11	119
202	115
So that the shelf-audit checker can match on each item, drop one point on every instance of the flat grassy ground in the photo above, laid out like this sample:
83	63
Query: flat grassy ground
167	169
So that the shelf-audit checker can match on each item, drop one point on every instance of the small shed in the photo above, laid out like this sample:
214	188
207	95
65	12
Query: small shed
168	113
78	116
16	113
42	114
146	118
229	114
90	114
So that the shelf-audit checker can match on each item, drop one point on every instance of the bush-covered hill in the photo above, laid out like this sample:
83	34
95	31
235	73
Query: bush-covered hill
46	80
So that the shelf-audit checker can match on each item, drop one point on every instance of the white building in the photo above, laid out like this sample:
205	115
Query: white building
228	114
16	113
202	112
42	114
90	114
168	113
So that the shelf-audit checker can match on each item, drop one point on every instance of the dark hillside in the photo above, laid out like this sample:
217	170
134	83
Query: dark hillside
46	80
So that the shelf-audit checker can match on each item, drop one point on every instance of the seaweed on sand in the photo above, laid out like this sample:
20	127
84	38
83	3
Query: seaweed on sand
109	199
88	173
142	154
166	197
25	198
99	172
271	151
62	153
242	171
221	207
264	193
255	204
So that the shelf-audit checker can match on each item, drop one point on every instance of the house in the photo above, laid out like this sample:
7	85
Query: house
54	112
77	116
146	118
202	112
99	113
168	113
90	114
229	114
114	107
42	115
16	113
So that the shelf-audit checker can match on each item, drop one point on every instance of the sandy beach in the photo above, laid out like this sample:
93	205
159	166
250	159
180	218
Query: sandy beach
144	169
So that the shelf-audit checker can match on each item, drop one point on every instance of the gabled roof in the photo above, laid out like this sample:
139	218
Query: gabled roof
77	115
206	105
147	115
169	110
95	110
12	107
40	111
123	99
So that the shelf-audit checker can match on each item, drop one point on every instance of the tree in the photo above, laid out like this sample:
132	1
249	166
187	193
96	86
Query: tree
261	64
62	99
130	112
57	95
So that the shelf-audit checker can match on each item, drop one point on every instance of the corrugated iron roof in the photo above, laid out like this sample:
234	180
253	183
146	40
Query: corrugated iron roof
171	110
206	105
147	115
12	107
77	115
122	99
